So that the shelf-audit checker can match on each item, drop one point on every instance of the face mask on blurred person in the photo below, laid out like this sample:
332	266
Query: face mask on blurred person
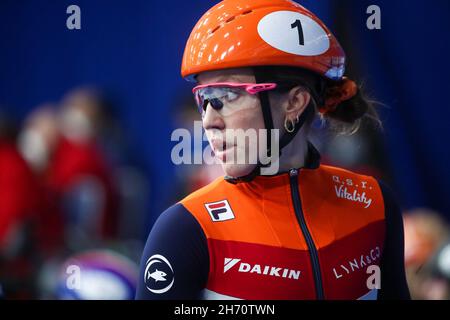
76	126
34	149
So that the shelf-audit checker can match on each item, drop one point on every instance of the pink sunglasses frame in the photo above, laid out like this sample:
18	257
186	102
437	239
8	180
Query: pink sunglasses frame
251	88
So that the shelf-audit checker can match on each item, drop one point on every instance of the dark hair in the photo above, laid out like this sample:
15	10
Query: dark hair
347	116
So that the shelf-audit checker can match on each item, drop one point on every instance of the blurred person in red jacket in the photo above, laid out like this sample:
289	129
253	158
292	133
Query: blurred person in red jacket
79	171
37	142
93	131
19	209
60	144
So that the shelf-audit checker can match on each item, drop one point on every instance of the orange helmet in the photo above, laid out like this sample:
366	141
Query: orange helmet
247	33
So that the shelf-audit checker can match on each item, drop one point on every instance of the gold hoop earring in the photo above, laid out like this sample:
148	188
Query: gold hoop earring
289	125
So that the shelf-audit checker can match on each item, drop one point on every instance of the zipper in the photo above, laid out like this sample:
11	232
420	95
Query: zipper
293	179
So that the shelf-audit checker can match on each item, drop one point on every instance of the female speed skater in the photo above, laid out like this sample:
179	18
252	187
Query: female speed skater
306	231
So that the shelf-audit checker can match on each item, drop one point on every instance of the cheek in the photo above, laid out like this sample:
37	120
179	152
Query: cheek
250	117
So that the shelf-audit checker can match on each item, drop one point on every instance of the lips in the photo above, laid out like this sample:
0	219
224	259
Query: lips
220	148
220	145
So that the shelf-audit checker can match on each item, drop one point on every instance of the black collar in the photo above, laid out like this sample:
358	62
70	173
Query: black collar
312	161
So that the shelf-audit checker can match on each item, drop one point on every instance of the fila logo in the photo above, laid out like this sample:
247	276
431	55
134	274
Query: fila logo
264	270
219	211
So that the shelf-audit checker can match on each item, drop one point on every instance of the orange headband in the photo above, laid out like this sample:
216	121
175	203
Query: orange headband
344	90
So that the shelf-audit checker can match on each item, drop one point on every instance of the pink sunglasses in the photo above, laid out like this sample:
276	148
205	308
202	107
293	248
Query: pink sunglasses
251	88
213	93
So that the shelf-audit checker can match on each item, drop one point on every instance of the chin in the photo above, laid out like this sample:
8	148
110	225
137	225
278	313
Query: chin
237	170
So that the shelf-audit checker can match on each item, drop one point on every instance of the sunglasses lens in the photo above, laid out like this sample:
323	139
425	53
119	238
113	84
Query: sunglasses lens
211	96
216	103
217	97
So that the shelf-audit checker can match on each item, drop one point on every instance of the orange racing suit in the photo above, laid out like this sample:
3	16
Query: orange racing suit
317	232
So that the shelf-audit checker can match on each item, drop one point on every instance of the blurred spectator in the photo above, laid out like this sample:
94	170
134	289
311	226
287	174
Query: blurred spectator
60	145
440	269
39	137
425	233
90	125
80	175
19	211
89	195
37	142
79	152
89	113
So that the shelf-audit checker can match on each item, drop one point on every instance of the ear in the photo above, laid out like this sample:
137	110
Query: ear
298	100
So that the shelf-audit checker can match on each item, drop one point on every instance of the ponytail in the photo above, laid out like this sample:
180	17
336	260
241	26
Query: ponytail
345	107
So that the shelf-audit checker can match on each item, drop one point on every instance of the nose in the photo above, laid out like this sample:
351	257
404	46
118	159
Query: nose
212	119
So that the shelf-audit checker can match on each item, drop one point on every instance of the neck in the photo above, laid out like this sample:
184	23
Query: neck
295	153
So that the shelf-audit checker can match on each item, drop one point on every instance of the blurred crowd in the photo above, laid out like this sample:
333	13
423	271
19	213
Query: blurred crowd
71	198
